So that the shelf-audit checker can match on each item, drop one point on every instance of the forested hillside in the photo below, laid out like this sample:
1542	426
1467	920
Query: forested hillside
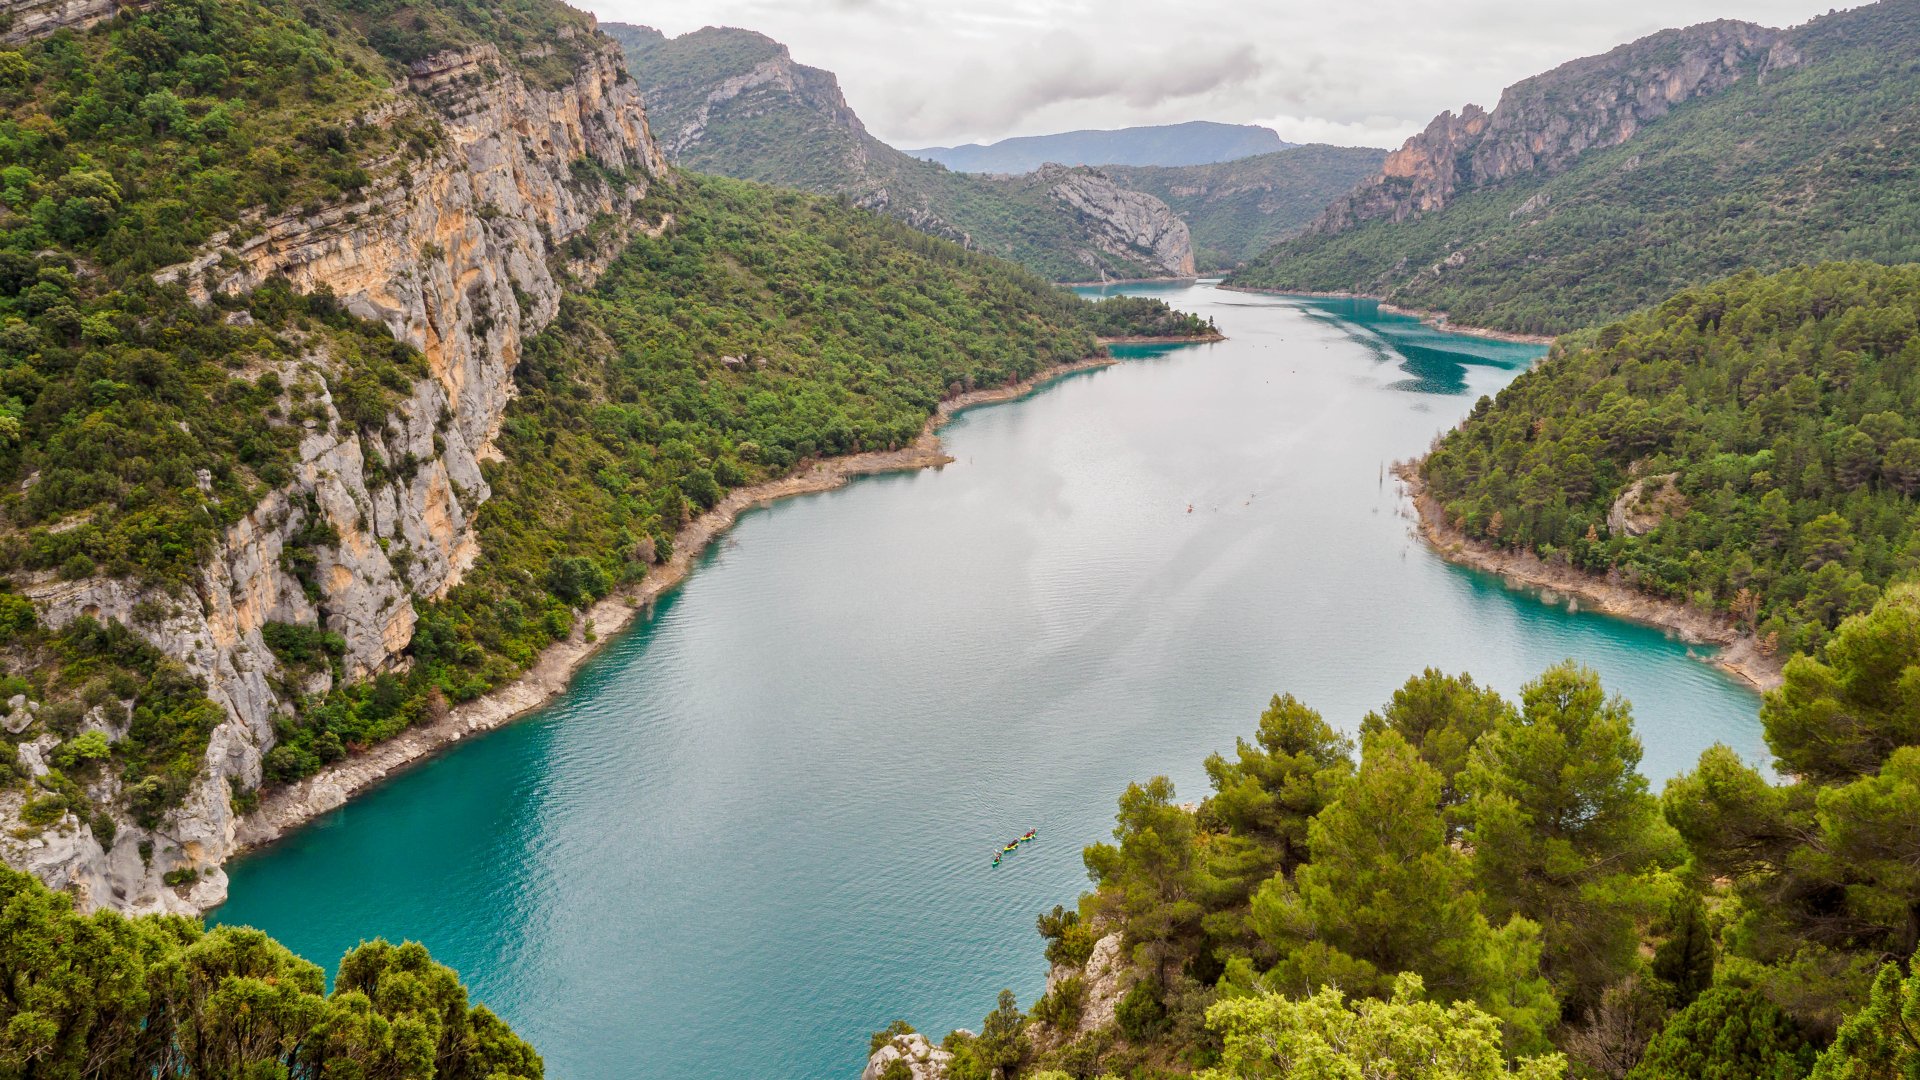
1812	154
1487	888
734	102
1749	447
1238	209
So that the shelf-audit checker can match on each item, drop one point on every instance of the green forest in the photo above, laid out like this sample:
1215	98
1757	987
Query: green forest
1488	888
1761	428
1816	162
1144	316
120	998
135	425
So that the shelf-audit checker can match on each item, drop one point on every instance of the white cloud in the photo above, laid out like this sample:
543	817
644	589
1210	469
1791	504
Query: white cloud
926	73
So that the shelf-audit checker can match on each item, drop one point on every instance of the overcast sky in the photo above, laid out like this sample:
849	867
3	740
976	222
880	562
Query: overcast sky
1362	72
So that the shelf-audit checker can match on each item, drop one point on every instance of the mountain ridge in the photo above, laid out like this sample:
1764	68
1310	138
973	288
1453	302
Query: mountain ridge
1778	147
1195	142
736	103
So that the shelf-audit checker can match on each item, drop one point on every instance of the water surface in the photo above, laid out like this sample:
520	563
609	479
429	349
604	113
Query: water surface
759	827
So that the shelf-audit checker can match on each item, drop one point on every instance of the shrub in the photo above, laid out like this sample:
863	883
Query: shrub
1141	1014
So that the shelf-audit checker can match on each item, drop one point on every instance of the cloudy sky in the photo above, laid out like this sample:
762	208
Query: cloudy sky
1369	72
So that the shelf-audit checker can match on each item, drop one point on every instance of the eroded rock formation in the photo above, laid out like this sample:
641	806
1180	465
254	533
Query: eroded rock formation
1542	124
1122	222
461	253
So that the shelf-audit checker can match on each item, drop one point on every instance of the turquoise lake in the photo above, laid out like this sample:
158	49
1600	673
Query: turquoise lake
759	826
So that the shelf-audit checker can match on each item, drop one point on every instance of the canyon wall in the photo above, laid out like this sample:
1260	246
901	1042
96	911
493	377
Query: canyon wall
1122	222
463	254
1542	124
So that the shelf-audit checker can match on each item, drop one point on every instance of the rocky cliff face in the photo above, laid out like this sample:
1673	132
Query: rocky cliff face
772	82
1542	124
1124	223
460	254
25	20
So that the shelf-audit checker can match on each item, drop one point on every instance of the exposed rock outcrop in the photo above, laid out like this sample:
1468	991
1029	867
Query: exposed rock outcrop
459	253
1103	980
25	20
774	80
1126	223
924	1061
1645	503
1543	124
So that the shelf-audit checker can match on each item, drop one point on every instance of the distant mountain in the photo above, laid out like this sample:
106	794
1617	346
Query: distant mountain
1606	184
1196	143
734	102
1238	209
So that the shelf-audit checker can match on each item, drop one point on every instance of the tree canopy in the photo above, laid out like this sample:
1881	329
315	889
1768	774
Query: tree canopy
128	999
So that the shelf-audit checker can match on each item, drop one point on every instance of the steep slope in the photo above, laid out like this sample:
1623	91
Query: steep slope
735	103
1606	184
1238	209
1197	142
1747	447
204	473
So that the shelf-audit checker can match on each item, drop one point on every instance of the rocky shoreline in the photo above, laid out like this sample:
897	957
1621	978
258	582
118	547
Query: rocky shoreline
1436	319
283	810
1738	652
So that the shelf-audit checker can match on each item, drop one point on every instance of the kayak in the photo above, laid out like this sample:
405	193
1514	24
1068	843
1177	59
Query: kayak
1014	845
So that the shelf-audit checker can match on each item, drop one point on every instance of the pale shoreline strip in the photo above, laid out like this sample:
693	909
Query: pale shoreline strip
282	810
1738	653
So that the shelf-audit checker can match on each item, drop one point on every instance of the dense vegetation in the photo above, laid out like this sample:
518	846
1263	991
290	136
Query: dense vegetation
134	425
130	999
1491	887
805	137
1144	316
1238	209
766	328
1815	162
1783	410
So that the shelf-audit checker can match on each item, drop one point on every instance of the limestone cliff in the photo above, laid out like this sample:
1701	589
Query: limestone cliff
1121	222
1542	124
461	253
24	20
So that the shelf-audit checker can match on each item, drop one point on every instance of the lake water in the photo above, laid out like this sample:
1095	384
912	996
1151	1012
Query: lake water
759	827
